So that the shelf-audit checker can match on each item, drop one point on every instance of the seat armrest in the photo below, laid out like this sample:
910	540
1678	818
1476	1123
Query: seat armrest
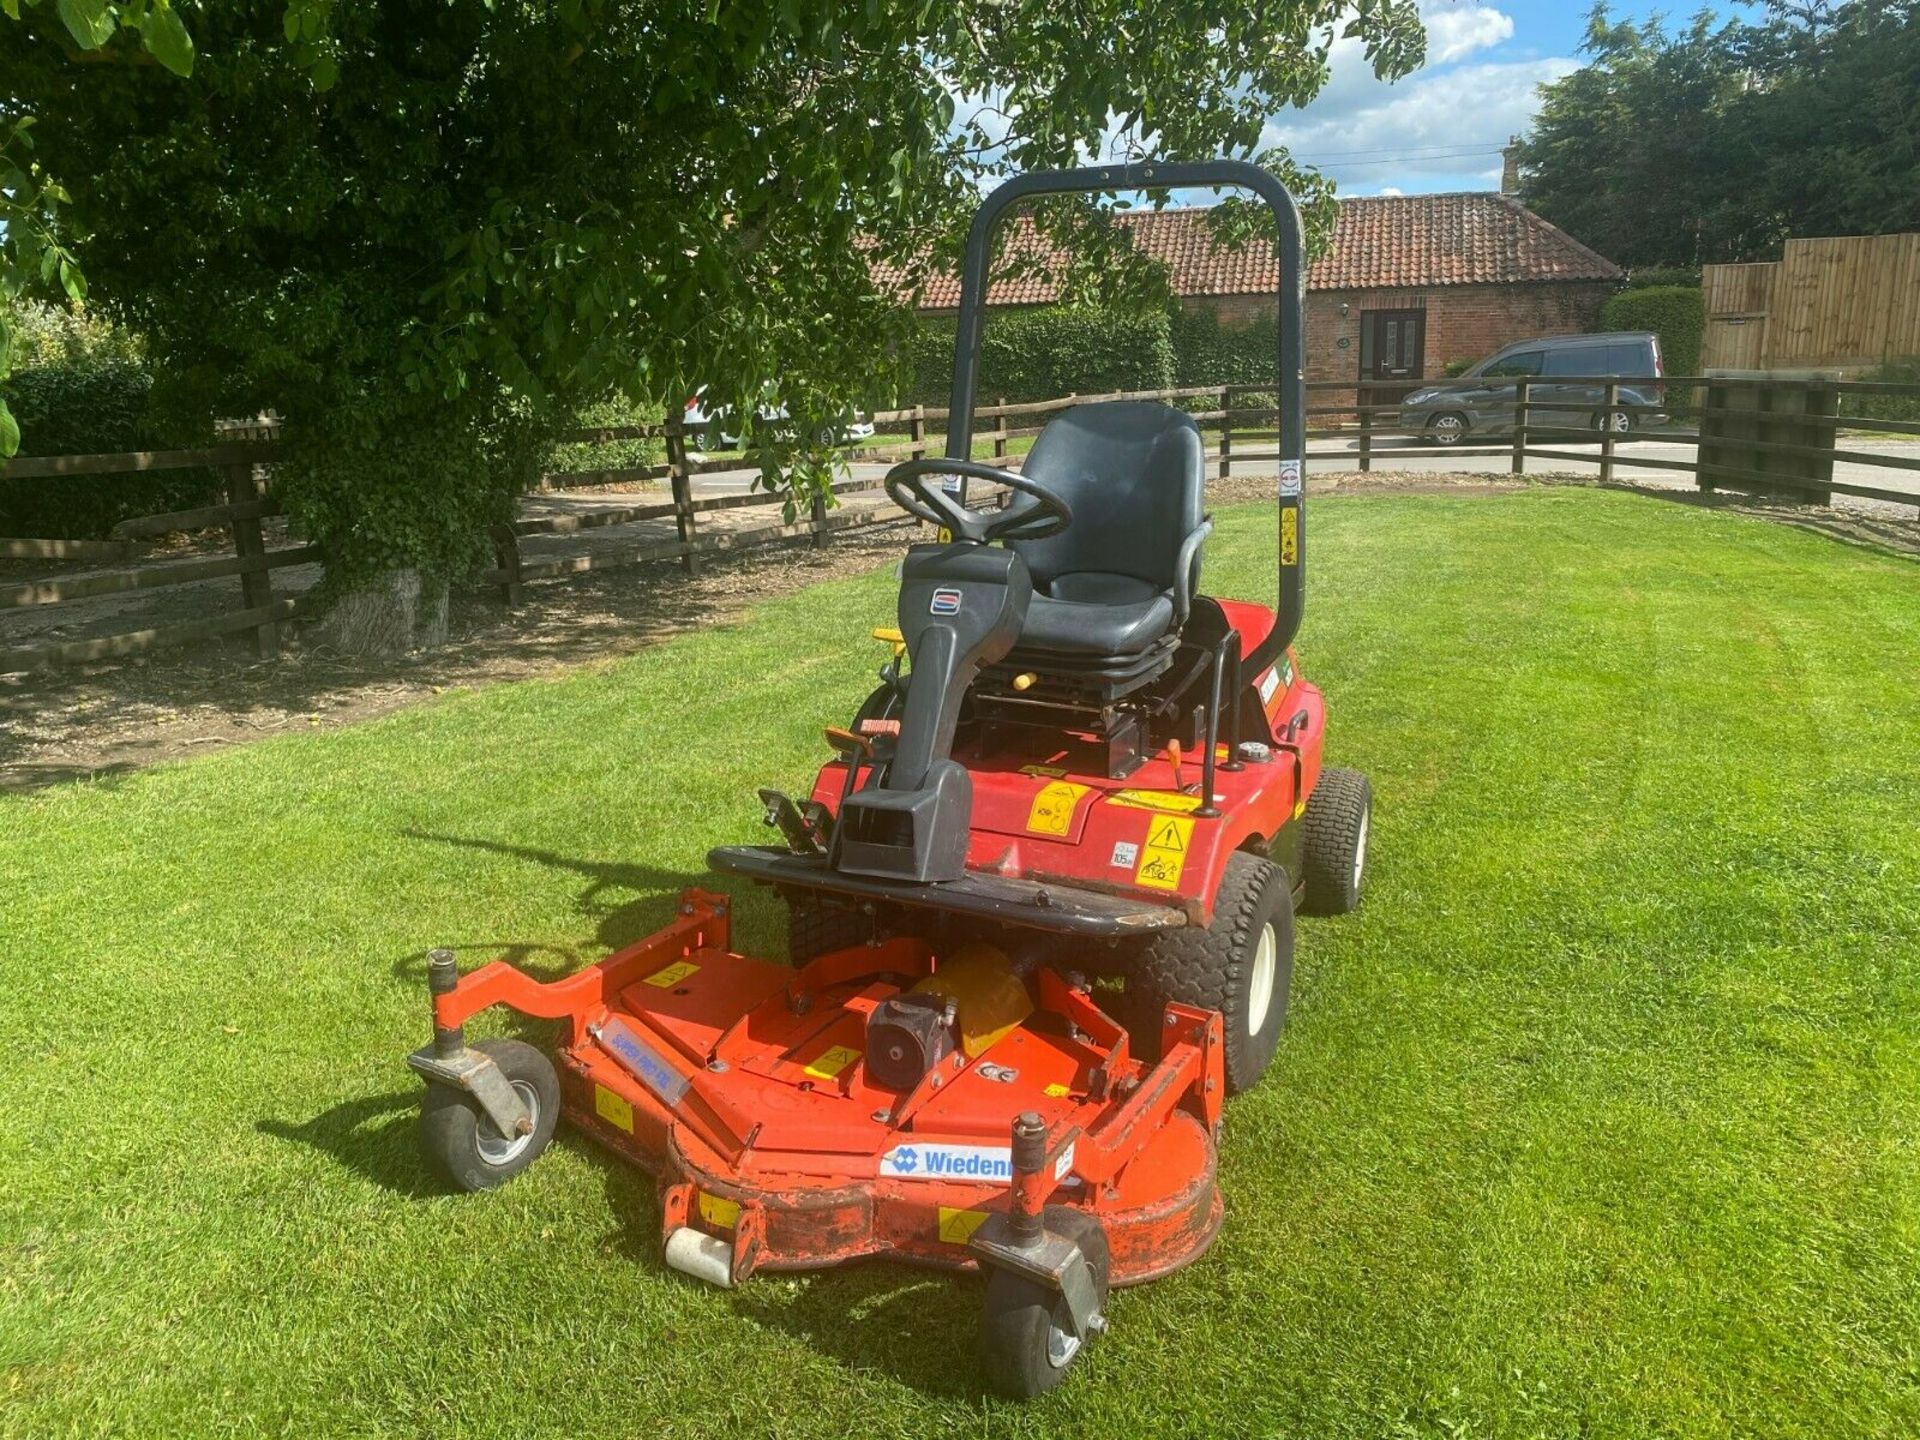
1186	570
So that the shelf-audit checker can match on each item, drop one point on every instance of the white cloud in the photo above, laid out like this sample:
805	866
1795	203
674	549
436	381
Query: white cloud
1456	30
1389	190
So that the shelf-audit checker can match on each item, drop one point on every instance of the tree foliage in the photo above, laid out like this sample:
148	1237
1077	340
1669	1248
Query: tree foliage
424	230
1718	141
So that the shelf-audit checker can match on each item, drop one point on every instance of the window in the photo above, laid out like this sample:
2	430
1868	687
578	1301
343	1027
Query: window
1584	360
1527	362
1631	360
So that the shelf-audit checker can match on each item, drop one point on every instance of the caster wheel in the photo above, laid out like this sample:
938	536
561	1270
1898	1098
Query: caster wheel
1027	1335
1334	849
463	1145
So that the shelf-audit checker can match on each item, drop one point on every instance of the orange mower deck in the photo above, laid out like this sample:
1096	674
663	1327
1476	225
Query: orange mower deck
740	1085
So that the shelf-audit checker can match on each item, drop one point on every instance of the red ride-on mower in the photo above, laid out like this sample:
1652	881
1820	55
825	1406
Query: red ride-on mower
1041	899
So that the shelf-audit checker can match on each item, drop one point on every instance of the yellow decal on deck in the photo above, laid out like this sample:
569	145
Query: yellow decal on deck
612	1108
1053	807
666	979
718	1210
1290	536
1052	772
1057	1091
1170	801
957	1226
1164	855
828	1064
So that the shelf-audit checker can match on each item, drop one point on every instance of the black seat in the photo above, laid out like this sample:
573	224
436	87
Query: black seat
1120	578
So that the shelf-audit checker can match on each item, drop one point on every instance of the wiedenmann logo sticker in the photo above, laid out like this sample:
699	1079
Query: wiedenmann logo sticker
948	1162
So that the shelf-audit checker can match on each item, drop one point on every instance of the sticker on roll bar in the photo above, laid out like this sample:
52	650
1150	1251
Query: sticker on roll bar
1289	477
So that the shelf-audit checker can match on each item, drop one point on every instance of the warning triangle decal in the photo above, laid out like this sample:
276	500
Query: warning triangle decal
1168	838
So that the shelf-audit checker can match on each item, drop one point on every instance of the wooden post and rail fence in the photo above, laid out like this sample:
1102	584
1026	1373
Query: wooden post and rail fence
1777	437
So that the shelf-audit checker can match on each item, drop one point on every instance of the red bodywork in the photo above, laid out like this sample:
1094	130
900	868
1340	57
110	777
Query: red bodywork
1038	820
751	1105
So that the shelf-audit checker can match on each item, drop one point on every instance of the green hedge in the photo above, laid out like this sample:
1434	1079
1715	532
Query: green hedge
1887	407
1676	313
1046	352
81	388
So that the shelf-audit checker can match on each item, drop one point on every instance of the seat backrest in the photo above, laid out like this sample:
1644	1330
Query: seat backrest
1134	472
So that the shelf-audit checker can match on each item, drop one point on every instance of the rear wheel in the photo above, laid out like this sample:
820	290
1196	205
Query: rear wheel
1027	1335
1333	852
1618	421
1240	965
1447	429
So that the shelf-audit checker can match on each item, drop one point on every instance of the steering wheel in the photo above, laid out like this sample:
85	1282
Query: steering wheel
907	487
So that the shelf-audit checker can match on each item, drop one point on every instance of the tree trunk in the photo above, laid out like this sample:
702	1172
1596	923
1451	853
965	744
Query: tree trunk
392	615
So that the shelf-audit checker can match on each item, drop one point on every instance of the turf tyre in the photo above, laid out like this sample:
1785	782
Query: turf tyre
1026	1337
460	1142
1333	849
1222	967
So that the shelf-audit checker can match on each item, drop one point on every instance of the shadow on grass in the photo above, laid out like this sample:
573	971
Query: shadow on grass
372	1136
657	891
915	1325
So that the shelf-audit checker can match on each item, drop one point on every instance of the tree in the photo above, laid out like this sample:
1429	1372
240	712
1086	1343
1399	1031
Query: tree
1719	141
424	230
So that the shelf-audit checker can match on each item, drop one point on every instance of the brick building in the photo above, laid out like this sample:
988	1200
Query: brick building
1409	283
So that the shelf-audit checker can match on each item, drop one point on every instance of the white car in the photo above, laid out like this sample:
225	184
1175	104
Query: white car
715	430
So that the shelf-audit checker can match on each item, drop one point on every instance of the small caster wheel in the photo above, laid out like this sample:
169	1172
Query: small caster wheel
1027	1334
463	1145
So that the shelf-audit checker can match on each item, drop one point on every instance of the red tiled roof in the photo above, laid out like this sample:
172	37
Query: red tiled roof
1398	241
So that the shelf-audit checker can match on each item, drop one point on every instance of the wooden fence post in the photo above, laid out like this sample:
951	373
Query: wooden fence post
1366	429
1000	434
256	585
1606	432
1520	426
506	557
917	432
681	479
1226	431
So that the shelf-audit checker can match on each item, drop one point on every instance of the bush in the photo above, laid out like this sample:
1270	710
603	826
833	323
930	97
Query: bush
1455	368
82	389
1046	352
1887	407
1209	353
1676	313
1661	276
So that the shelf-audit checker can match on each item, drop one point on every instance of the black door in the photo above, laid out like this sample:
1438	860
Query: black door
1393	347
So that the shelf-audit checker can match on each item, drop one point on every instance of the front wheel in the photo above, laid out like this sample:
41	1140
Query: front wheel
1240	965
1618	421
1027	1334
1447	429
459	1140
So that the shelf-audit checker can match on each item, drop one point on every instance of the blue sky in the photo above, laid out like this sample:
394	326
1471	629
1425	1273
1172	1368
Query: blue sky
1442	127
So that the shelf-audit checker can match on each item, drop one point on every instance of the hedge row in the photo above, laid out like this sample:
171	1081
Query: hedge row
1043	353
1676	313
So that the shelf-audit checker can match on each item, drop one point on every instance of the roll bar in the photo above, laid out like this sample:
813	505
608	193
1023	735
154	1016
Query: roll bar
1292	383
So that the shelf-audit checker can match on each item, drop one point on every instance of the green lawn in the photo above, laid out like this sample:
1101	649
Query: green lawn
1598	1119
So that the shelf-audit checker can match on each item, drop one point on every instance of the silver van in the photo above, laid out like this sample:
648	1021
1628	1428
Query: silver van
1480	402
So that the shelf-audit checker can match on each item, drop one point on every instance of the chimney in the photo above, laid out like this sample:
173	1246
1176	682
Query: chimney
1510	167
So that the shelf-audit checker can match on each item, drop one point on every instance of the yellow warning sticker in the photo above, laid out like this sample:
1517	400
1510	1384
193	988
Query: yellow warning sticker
1170	801
828	1064
1057	1091
1164	855
718	1210
957	1226
673	974
1052	772
1290	536
612	1108
1053	807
